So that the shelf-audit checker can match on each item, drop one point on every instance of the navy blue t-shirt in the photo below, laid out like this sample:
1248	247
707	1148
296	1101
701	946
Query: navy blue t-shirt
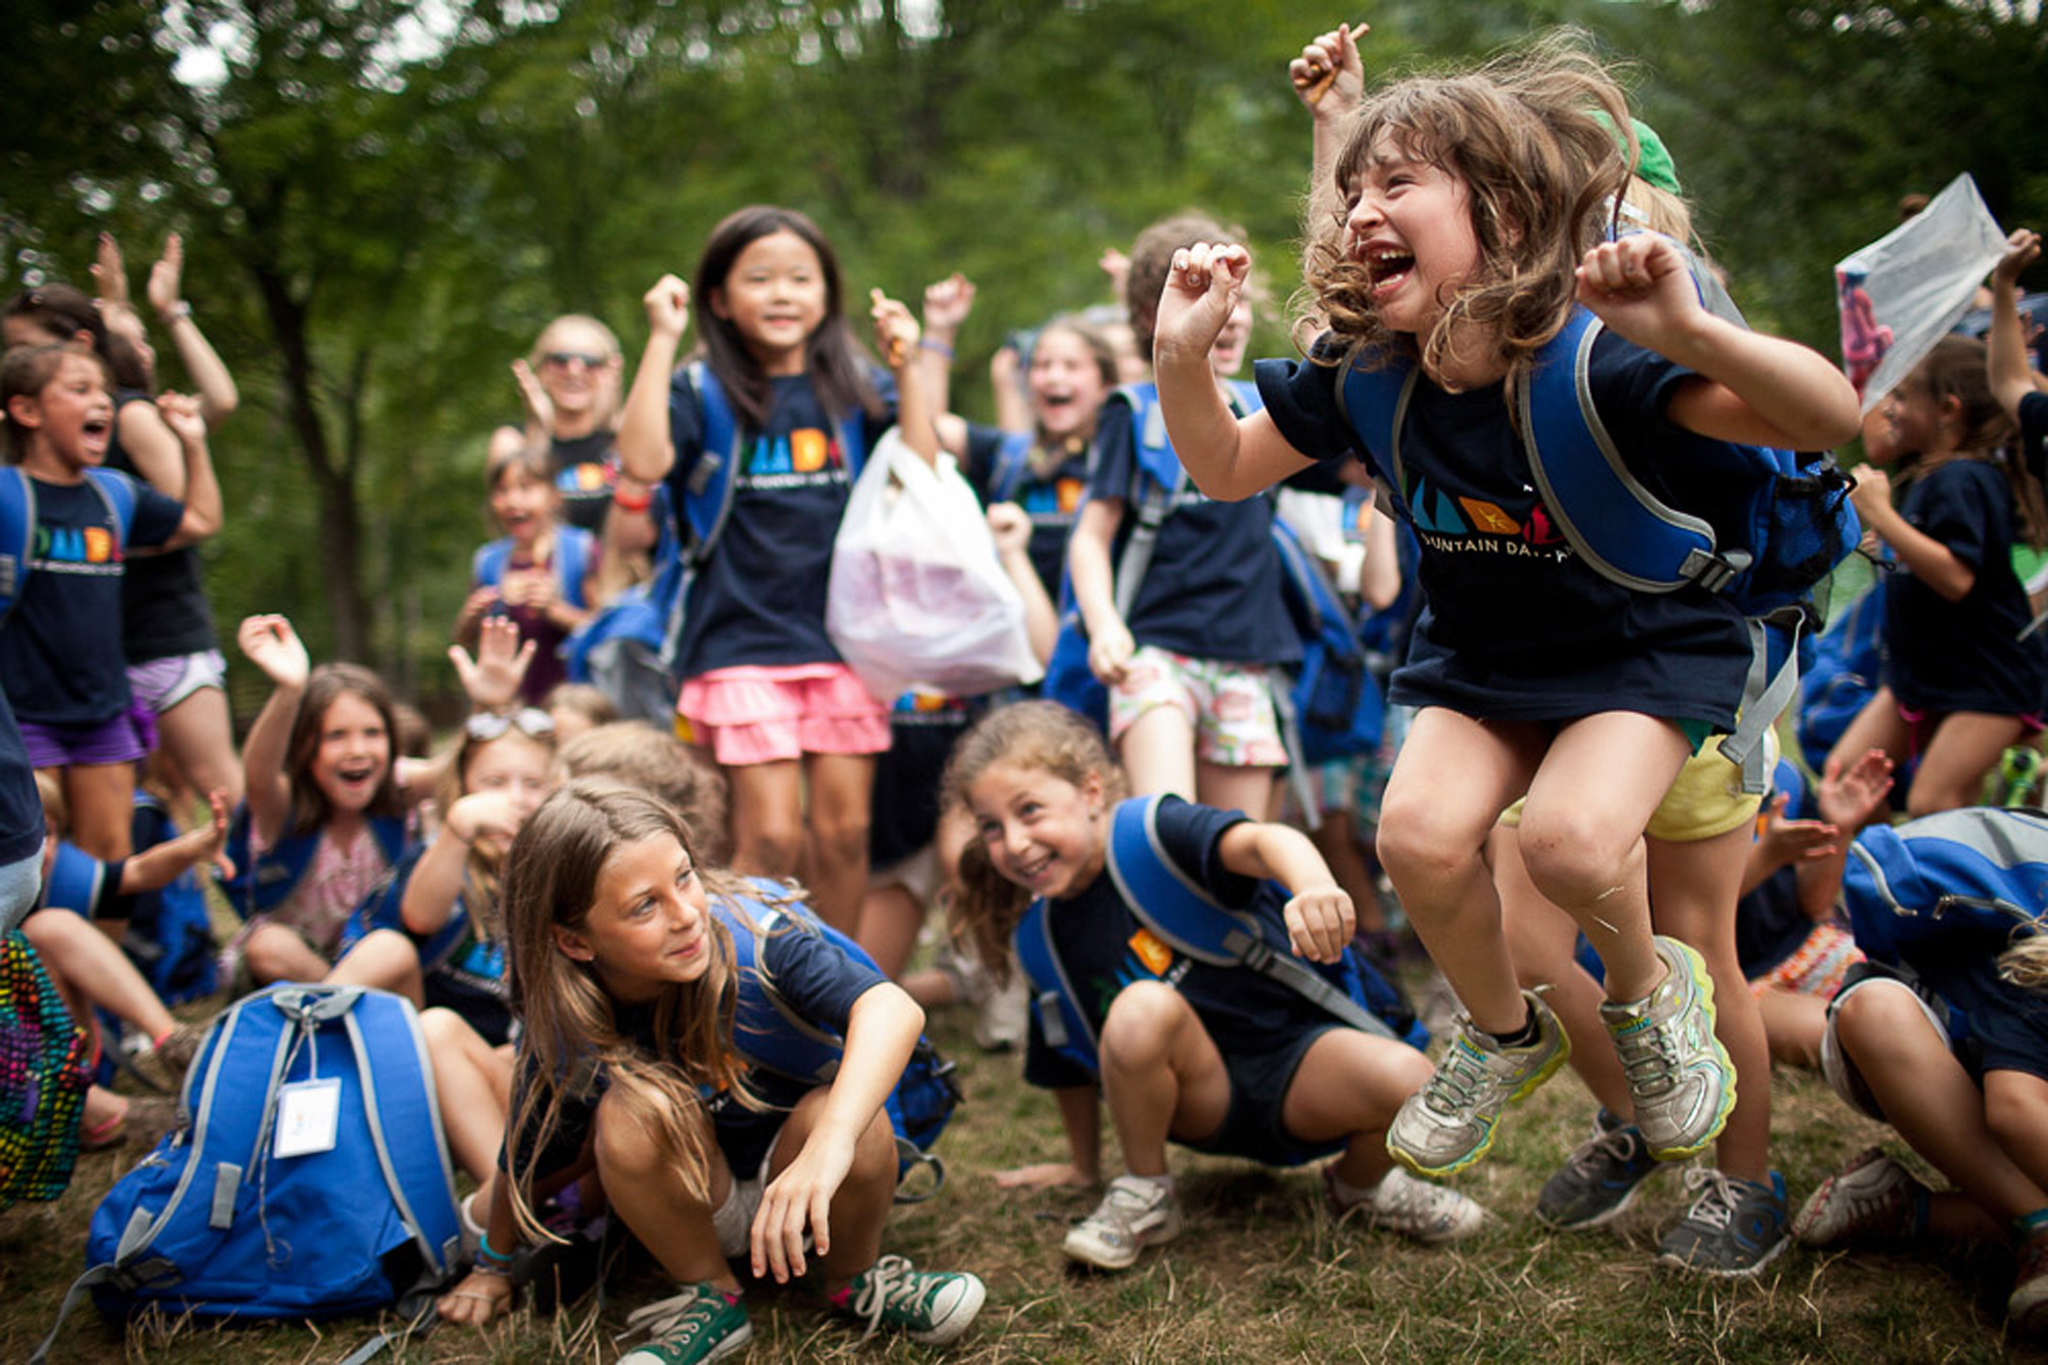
1515	626
21	808
60	655
1104	947
461	969
819	982
586	470
1052	499
1943	656
761	599
1213	588
164	611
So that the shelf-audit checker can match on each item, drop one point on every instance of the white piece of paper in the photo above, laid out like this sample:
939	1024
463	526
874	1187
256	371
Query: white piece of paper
308	1115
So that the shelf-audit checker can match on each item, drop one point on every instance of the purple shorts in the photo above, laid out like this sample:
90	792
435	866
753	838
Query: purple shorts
161	684
127	738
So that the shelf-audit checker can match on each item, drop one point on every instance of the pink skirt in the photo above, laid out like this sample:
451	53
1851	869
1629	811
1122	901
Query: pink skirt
750	714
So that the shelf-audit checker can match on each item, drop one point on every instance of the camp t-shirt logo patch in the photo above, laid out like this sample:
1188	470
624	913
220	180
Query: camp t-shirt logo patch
804	458
1444	521
76	549
1053	503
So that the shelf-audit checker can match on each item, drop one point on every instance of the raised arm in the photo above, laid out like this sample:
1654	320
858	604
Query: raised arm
1752	388
1010	526
1329	79
896	337
218	396
270	643
1229	458
881	1031
181	416
646	450
436	880
2012	378
947	304
157	866
1320	918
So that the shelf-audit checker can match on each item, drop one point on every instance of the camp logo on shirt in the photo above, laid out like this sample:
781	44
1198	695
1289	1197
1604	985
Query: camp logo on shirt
1053	503
76	549
1465	525
804	458
589	477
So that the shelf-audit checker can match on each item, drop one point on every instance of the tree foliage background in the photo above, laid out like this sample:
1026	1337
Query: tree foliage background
384	200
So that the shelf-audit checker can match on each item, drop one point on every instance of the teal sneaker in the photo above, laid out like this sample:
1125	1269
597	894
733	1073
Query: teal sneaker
1449	1123
1679	1075
702	1323
933	1307
1735	1228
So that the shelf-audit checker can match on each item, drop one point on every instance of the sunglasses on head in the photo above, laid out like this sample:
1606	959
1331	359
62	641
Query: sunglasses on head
562	360
530	721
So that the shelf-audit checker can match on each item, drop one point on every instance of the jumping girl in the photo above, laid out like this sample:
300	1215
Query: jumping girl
1473	214
1218	1058
60	653
763	687
624	971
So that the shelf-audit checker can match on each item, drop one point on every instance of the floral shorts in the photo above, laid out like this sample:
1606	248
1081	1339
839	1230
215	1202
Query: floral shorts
1229	704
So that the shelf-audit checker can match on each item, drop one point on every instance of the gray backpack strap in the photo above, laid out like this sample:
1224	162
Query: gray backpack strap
1765	695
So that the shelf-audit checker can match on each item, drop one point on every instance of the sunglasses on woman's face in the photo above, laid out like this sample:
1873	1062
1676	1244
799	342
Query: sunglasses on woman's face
562	360
530	721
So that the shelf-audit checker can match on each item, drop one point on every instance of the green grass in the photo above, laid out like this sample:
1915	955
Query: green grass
1261	1274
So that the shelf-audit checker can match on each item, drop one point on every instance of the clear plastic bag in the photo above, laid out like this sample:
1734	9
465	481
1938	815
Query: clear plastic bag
917	596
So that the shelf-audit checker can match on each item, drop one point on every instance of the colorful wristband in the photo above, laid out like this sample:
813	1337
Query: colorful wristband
483	1250
935	347
631	503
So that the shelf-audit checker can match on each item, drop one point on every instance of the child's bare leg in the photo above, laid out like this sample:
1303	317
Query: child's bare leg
1928	1096
1161	1074
767	817
473	1082
640	1181
1234	788
1542	939
1454	777
842	795
199	738
1965	747
890	918
861	1204
102	798
1877	726
1349	1085
275	953
1158	753
1793	1025
1336	839
89	970
1582	835
2016	1111
1694	886
385	959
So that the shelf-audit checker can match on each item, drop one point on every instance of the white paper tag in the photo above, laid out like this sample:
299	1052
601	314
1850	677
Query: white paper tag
308	1113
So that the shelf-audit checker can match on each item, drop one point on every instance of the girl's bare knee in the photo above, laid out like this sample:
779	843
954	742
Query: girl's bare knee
1140	1023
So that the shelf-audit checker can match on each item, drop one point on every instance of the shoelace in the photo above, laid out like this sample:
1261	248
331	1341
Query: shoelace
1458	1077
1613	1144
1649	1059
891	1282
694	1308
1715	1208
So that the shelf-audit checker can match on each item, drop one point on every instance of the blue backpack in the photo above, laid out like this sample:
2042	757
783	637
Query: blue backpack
573	545
18	524
770	1035
1793	526
383	909
170	933
1333	707
629	648
265	883
1012	460
247	1209
1841	675
1194	924
1977	869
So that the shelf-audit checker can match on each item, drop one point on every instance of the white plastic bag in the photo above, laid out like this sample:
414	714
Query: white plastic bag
917	597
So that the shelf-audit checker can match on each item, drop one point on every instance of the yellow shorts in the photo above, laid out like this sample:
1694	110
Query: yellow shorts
1706	799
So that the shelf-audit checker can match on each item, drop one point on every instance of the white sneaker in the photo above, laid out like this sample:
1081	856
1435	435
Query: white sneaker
1133	1215
1416	1208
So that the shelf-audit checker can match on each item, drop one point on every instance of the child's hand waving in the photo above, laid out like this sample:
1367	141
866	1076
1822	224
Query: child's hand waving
1202	289
668	306
1329	75
1320	922
270	643
2022	249
1642	288
492	679
540	409
947	304
166	277
896	331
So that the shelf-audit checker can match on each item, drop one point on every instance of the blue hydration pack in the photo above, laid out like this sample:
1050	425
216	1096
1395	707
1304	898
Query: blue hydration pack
18	524
573	546
1978	869
1793	525
768	1033
629	648
265	883
222	1219
1191	922
1842	674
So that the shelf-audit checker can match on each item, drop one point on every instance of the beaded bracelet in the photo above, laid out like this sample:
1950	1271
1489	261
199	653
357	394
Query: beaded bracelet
936	347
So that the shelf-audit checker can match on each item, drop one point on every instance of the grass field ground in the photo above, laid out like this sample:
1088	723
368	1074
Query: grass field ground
1261	1274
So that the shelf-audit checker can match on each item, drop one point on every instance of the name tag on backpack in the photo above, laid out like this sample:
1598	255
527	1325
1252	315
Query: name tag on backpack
308	1113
